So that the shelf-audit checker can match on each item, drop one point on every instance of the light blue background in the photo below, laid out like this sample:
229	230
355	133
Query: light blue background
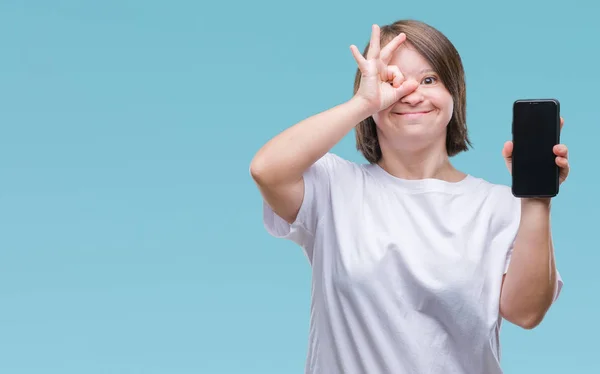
131	238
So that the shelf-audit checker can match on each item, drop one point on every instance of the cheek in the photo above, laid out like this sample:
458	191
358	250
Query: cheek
446	105
379	116
450	110
376	118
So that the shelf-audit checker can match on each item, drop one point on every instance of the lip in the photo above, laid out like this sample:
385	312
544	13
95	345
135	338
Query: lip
412	114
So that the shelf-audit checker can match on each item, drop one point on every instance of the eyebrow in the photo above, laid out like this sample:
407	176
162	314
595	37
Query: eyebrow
427	70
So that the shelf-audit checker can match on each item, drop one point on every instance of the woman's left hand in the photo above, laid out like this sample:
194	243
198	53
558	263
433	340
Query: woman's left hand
560	150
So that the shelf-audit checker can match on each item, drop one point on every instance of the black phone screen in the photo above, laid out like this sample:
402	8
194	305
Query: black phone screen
536	128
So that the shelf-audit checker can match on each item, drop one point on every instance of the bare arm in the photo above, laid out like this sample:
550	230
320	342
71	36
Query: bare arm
529	286
530	283
279	165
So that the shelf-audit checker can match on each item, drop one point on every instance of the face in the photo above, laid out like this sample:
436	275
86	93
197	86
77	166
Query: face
419	119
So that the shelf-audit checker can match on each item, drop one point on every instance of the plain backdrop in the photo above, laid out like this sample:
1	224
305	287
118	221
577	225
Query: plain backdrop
131	235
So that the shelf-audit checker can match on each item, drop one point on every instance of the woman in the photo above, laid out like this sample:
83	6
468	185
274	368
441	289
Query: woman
410	256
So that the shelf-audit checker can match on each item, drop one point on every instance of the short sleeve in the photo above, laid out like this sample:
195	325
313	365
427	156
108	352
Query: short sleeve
514	205
315	203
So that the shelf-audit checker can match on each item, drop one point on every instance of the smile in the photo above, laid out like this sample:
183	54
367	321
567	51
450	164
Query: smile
413	114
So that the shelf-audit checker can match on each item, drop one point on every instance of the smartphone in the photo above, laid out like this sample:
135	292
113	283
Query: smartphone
535	132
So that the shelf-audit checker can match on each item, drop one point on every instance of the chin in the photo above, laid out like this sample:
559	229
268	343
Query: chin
412	135
410	128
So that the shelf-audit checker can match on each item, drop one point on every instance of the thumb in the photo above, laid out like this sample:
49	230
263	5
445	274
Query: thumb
507	150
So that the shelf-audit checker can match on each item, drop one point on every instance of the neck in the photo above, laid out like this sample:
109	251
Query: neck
428	162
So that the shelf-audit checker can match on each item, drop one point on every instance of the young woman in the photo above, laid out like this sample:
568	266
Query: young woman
409	256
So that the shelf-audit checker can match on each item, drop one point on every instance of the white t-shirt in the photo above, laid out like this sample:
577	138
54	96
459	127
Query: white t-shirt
406	274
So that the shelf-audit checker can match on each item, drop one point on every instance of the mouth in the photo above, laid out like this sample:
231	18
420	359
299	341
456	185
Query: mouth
412	114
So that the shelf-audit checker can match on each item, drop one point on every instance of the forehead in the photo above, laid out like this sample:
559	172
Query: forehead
409	61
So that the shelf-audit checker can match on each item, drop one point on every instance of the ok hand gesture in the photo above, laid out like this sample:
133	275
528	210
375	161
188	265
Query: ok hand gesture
381	85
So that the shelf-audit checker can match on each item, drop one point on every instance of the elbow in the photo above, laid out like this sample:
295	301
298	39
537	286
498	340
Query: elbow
525	310
255	170
258	170
527	321
530	322
267	172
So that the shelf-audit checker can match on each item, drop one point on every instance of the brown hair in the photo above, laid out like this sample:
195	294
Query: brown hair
446	62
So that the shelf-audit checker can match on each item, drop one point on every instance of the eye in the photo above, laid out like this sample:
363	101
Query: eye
429	80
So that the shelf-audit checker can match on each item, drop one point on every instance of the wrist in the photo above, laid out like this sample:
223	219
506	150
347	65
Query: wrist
362	106
536	203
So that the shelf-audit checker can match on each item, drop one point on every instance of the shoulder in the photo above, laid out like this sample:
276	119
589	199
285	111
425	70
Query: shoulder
496	190
505	207
331	159
501	193
337	166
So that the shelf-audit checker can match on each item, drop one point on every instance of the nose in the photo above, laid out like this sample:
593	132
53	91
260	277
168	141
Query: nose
413	98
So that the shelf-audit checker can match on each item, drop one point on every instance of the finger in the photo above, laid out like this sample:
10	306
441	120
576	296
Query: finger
562	162
562	122
564	166
388	51
561	150
374	43
394	75
406	87
382	69
507	149
360	60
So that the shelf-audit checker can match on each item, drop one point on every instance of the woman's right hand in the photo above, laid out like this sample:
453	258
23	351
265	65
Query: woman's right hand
381	85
